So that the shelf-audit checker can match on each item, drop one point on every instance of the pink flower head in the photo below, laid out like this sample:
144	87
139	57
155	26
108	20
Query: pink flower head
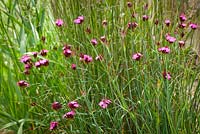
59	22
99	57
53	125
104	103
193	26
44	62
181	43
28	66
86	58
37	64
67	52
129	4
170	39
94	42
43	52
22	83
104	22
34	54
165	50
56	106
145	17
79	20
70	114
137	56
167	22
25	59
73	104
103	39
182	17
166	75
132	25
73	66
182	25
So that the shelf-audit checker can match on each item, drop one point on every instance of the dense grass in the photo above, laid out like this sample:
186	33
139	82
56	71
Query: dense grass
143	101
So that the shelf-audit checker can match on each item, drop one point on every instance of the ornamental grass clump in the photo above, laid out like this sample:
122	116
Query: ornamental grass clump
105	66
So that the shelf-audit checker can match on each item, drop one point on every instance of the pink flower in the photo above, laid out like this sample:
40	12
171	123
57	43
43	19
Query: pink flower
86	58
193	26
170	39
79	20
137	56
103	39
145	17
165	50
56	106
129	4
53	125
70	114
44	62
59	22
181	43
104	103
43	52
22	83
34	54
67	52
73	66
94	42
99	57
37	64
167	22
25	59
166	75
182	17
28	66
132	25
104	22
73	104
182	25
26	72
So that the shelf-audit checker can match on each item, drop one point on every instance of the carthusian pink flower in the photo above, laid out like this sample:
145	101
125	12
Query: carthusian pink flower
145	17
73	104
182	17
70	114
167	22
129	4
59	22
170	39
166	75
86	58
25	59
181	43
34	54
53	125
73	66
22	83
94	42
37	64
28	66
56	106
99	58
193	26
137	56
104	103
104	22
165	50
79	20
67	52
103	39
43	52
44	62
182	25
132	25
